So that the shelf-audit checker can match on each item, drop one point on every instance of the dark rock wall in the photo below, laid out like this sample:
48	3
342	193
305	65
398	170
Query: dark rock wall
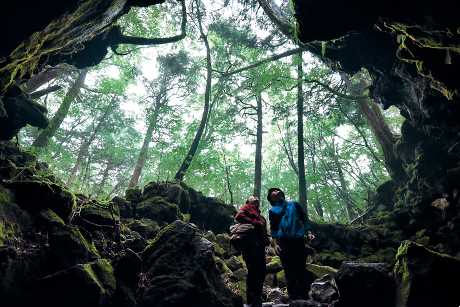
411	49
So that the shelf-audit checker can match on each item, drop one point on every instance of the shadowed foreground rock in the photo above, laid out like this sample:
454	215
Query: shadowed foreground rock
365	284
181	271
426	278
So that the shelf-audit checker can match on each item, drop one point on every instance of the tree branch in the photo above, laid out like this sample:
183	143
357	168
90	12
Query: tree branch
43	92
267	60
133	40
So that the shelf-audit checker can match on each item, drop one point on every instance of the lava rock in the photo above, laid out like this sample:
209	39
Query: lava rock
158	209
147	228
365	284
212	214
234	263
181	271
324	290
69	247
35	195
424	277
89	284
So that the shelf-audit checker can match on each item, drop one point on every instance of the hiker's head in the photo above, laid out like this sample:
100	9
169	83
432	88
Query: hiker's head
274	195
253	200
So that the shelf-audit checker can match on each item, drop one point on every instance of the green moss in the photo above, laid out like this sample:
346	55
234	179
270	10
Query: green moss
152	243
281	278
5	196
105	273
320	270
222	266
8	232
218	250
274	266
401	271
49	217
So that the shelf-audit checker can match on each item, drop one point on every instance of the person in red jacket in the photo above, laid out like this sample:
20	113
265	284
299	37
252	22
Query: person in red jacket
254	251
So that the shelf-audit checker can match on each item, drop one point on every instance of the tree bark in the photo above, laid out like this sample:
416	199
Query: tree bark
258	157
267	60
283	25
227	177
46	91
344	192
46	134
317	203
145	145
300	143
84	147
196	141
105	176
380	129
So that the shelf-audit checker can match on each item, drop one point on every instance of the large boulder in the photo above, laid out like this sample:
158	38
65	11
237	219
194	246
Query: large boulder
147	228
97	214
172	192
158	209
88	284
212	214
181	271
69	247
365	284
426	278
13	220
34	195
18	269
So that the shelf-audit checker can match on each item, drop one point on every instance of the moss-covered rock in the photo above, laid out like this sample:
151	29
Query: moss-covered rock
158	209
211	213
128	265
181	271
18	271
88	284
147	228
13	221
125	207
34	195
69	247
365	284
274	266
97	214
423	277
234	263
320	270
48	219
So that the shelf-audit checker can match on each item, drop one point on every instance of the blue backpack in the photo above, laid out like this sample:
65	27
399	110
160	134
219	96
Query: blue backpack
291	220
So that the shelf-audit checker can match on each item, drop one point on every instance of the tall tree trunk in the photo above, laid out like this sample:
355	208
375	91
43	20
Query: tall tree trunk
227	177
258	157
84	147
145	147
204	117
384	136
344	192
317	204
105	176
382	132
46	134
300	143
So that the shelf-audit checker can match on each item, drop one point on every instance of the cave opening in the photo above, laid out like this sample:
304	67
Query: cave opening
130	126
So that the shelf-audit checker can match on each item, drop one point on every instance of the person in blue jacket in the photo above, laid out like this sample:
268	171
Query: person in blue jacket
289	225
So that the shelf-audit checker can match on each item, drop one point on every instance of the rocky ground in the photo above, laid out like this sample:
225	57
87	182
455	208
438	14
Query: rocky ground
167	245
